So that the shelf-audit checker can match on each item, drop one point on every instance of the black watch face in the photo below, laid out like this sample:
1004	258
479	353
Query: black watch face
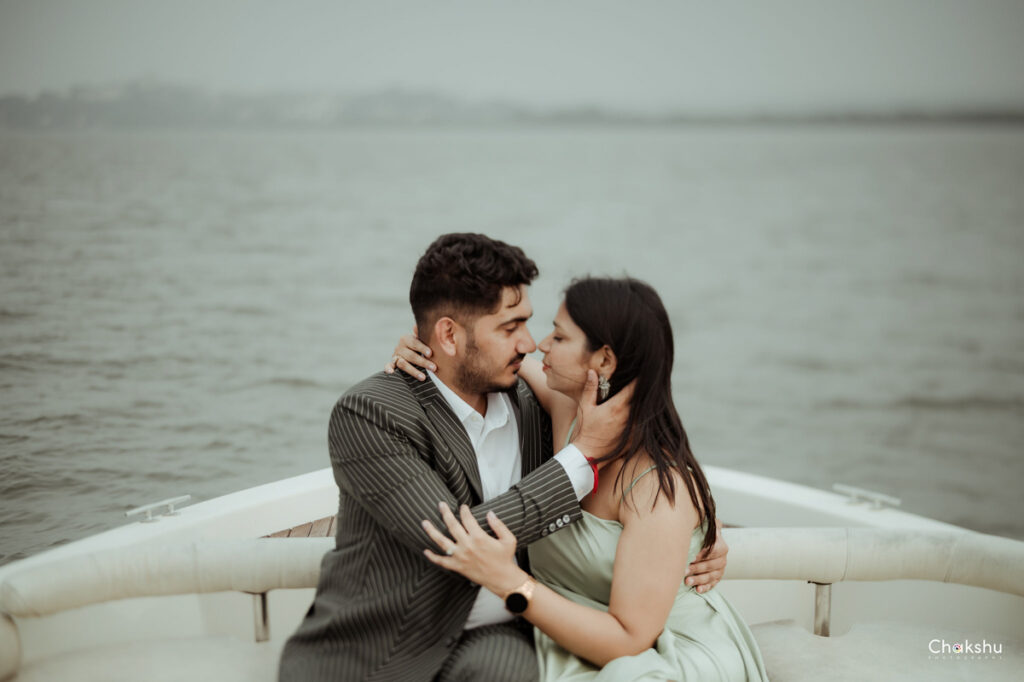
516	602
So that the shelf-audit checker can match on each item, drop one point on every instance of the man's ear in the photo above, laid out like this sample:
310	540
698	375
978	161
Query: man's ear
447	332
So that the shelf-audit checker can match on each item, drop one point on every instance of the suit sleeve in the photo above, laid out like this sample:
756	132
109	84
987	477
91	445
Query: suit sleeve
387	475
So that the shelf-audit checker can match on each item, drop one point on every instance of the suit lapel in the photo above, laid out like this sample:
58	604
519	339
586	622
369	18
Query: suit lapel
454	433
529	427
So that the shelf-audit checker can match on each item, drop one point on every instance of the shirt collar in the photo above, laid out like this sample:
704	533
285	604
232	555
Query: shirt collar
497	405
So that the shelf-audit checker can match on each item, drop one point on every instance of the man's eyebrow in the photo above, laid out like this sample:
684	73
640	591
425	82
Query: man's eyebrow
521	318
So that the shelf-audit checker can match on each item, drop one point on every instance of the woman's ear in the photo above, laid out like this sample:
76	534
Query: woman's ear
446	331
606	361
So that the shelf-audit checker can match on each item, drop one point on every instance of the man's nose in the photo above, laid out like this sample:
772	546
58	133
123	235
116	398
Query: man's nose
526	343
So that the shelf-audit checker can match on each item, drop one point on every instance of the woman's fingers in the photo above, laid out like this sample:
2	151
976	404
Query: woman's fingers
415	352
414	358
454	527
469	522
501	531
407	367
439	538
412	342
410	356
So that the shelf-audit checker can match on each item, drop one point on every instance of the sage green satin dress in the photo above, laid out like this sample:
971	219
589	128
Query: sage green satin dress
704	638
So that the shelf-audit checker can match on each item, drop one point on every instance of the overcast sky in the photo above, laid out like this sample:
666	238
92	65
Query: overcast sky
640	54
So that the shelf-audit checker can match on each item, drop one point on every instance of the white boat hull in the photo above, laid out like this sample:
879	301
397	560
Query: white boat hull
132	635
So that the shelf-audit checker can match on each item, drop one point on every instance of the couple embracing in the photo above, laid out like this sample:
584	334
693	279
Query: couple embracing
500	519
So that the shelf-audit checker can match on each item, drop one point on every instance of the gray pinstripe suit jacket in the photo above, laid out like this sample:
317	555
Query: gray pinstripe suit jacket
382	611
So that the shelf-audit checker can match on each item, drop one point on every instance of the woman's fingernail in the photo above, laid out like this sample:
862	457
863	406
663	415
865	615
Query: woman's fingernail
427	354
420	377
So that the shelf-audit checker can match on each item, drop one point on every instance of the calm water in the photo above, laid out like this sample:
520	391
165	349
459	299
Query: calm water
179	311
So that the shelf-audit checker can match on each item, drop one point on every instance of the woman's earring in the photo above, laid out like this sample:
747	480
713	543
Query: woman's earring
603	387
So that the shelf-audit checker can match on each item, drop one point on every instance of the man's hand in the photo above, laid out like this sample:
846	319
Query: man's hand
601	426
709	566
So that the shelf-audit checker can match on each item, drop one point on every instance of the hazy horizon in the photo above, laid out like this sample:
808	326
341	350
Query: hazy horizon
649	57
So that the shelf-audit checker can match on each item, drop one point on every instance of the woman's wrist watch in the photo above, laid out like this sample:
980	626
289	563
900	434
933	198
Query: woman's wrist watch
518	600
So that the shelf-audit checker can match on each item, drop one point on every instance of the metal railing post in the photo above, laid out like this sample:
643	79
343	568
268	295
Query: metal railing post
822	608
261	617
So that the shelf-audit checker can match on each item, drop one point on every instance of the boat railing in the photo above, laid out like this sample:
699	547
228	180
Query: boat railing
256	566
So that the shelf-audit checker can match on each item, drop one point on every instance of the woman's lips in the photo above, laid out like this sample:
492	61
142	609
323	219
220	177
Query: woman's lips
546	367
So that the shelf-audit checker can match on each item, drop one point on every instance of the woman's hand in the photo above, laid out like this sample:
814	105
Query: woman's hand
411	354
472	552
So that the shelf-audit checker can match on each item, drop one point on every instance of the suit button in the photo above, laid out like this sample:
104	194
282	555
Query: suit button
560	523
566	518
544	533
552	528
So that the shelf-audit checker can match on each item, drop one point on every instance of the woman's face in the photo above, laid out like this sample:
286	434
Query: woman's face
566	357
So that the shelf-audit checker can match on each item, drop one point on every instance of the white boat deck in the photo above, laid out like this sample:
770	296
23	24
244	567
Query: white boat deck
175	598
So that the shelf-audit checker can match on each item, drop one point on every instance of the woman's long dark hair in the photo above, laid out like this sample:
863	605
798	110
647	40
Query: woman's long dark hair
628	316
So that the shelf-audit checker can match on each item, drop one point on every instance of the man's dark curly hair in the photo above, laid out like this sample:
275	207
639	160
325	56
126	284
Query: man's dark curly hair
462	276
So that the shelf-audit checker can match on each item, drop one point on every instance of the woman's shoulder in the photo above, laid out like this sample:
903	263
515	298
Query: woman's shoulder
642	492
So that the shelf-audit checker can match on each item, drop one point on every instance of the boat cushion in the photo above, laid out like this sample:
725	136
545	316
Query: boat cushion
221	658
882	651
872	651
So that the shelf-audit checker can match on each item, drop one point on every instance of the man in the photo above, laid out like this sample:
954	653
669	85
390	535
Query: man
472	434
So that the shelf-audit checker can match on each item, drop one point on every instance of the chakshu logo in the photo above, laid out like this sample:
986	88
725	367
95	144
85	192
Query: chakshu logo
983	648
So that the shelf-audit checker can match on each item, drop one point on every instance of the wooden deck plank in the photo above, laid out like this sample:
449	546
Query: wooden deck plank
325	528
301	531
321	527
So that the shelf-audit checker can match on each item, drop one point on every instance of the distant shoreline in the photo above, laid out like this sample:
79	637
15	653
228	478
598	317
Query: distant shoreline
565	124
149	106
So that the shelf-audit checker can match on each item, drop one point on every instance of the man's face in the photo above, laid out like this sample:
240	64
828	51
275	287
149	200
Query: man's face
496	344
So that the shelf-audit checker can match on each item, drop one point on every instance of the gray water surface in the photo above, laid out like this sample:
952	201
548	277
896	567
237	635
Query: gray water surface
180	310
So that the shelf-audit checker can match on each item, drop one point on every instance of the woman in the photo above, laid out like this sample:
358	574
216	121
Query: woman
645	623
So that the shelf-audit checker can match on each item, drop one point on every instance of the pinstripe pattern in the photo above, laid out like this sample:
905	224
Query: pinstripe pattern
382	611
495	653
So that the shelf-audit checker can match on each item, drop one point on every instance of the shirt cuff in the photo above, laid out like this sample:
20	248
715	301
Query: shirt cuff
578	469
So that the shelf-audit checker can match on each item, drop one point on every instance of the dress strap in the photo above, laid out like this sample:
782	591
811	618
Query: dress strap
642	474
568	436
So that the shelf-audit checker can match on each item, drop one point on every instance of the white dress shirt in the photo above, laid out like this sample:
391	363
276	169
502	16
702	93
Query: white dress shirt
495	439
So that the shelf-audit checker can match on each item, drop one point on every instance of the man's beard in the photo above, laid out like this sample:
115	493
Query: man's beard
473	376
